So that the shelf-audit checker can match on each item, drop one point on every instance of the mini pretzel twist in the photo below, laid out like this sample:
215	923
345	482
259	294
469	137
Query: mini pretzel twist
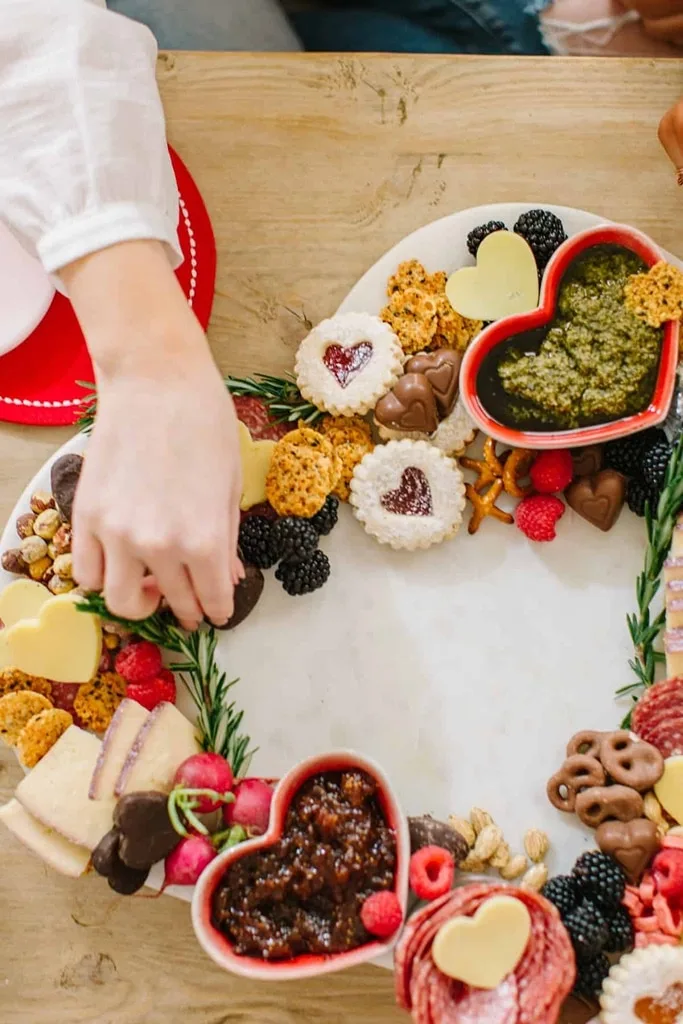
517	464
587	742
578	772
631	762
603	803
484	505
488	469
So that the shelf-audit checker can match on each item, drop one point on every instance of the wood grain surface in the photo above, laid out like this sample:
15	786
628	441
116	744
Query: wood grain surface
311	168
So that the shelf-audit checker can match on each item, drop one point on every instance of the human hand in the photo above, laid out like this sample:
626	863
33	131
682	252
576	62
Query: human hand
157	506
671	137
662	19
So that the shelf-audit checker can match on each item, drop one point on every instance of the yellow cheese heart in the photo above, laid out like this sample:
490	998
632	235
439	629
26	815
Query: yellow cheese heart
484	949
62	643
504	281
4	651
669	789
256	456
22	599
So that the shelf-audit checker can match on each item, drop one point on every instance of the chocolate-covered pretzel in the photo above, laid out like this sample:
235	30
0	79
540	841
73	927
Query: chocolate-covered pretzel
605	803
578	772
631	762
586	742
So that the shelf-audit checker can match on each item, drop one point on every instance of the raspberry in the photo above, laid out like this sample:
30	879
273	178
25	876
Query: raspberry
381	914
552	471
667	867
431	872
151	692
536	516
139	662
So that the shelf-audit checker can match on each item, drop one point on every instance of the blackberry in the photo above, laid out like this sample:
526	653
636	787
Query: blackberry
637	493
590	975
256	543
600	879
303	577
655	460
477	235
561	890
326	519
620	932
294	539
544	233
587	929
624	455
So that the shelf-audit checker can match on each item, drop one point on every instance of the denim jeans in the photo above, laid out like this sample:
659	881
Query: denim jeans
213	24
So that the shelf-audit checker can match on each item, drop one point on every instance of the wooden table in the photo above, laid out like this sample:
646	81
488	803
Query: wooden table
312	167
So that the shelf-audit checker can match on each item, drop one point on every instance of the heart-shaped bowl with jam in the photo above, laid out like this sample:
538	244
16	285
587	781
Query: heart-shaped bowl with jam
580	368
287	904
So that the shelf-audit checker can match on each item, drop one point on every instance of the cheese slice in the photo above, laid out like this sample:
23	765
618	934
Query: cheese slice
165	740
56	790
5	659
673	648
116	744
61	643
55	850
22	599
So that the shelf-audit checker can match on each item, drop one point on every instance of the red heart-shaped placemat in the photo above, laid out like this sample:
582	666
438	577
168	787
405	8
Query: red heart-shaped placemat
38	379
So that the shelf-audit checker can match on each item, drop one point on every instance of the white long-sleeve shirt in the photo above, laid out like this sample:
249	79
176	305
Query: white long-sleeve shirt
83	156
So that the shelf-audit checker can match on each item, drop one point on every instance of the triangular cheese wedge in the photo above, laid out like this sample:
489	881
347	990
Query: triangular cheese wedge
57	852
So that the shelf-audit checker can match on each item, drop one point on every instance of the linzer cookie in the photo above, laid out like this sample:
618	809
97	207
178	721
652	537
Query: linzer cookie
408	495
645	987
347	363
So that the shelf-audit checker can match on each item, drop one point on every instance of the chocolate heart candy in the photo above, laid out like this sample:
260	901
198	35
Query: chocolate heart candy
246	595
106	853
598	498
107	862
147	835
632	844
410	405
442	370
587	461
64	477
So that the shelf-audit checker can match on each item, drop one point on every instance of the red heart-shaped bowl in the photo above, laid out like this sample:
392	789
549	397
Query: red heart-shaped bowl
219	947
503	330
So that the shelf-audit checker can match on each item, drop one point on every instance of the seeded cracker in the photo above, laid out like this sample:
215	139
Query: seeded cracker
657	296
40	734
16	709
352	440
11	680
304	469
97	700
421	315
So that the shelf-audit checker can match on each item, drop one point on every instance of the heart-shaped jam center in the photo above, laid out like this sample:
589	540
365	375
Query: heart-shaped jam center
346	363
412	497
665	1009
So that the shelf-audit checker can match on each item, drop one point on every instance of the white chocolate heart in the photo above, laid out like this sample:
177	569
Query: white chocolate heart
504	281
669	789
62	643
256	457
22	599
484	949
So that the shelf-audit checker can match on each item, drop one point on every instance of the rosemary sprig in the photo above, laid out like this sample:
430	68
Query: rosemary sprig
643	629
280	394
219	721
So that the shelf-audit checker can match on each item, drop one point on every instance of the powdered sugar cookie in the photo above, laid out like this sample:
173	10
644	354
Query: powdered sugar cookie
347	363
452	435
408	494
644	986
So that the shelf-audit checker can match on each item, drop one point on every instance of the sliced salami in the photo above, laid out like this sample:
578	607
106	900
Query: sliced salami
495	1006
254	413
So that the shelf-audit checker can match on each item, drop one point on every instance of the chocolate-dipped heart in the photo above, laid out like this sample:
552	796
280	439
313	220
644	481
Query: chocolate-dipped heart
587	460
632	844
598	498
410	405
147	835
441	368
346	363
412	497
246	595
106	861
64	477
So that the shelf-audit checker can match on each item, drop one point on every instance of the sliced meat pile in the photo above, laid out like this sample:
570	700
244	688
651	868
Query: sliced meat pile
657	718
254	413
532	994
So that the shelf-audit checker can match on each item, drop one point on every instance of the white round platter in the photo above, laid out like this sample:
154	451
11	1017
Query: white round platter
25	292
463	670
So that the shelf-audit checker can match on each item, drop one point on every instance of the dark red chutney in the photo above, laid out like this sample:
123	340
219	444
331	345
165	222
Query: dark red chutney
304	894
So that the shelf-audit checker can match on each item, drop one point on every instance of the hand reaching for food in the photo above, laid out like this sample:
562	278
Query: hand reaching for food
157	508
662	19
671	137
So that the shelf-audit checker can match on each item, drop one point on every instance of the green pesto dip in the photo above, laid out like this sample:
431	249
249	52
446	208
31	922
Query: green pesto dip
597	362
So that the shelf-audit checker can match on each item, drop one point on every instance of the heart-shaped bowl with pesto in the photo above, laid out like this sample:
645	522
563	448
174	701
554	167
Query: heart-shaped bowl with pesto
521	337
219	946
